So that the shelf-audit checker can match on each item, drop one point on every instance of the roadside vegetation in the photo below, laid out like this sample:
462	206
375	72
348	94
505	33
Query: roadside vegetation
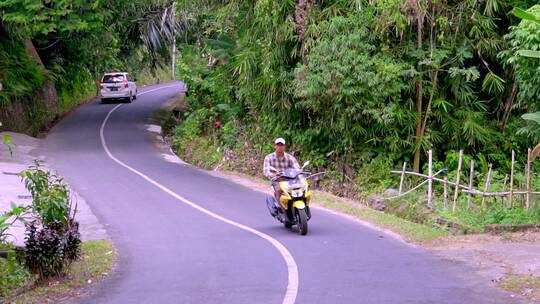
52	54
13	274
53	251
409	230
526	286
359	87
96	262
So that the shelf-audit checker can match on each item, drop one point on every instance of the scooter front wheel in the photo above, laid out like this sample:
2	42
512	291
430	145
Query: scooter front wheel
302	220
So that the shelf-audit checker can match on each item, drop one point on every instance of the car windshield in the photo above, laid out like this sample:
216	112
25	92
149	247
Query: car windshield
113	78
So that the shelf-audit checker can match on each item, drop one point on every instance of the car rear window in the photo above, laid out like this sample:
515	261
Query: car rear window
113	78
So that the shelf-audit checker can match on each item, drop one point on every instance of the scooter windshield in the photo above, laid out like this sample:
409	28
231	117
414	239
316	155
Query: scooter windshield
292	173
296	183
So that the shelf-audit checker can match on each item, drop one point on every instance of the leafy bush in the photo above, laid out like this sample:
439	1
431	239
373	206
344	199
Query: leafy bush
8	218
375	176
50	194
229	134
72	236
199	150
52	248
44	249
351	89
52	239
13	273
514	215
525	36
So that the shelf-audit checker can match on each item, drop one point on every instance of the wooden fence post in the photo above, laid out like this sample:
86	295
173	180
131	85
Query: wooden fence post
528	199
486	187
471	181
456	191
402	177
445	192
503	202
430	179
512	178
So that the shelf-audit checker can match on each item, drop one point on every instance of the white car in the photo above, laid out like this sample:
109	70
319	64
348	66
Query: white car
118	85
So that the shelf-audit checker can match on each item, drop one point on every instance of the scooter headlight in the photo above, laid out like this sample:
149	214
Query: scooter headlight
297	193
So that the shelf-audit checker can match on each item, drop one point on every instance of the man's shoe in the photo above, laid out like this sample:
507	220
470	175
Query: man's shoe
281	214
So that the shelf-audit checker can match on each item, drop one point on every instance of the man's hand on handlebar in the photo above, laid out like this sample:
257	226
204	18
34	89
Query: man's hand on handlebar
276	176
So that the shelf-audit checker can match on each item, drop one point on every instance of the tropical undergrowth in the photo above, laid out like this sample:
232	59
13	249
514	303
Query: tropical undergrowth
358	88
52	55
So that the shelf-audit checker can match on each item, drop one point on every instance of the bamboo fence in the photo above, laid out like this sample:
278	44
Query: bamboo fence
469	189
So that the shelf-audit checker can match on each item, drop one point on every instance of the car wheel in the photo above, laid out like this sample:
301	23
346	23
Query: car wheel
104	101
128	100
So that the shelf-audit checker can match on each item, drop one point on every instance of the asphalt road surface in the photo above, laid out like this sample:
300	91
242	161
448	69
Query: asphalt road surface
184	236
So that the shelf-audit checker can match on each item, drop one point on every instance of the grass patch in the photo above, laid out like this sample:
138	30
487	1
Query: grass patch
200	151
188	142
97	260
409	230
13	274
527	286
477	217
170	114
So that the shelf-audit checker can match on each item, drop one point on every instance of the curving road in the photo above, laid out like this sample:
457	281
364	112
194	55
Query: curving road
184	236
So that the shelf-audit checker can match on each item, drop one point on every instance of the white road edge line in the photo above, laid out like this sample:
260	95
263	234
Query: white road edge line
292	269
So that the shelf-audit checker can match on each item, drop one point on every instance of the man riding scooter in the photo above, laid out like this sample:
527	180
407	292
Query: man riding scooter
280	161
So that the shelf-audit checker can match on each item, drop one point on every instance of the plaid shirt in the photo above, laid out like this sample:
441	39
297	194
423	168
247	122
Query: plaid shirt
286	162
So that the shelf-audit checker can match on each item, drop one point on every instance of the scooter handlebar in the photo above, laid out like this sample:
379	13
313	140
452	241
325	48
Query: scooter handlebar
277	176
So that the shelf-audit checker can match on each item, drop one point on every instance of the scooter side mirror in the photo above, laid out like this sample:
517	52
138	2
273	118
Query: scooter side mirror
305	164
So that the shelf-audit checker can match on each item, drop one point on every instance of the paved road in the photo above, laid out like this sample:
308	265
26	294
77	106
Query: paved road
171	252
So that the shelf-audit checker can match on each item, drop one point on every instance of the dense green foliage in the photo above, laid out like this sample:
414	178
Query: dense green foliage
358	87
9	218
476	220
50	195
368	83
341	87
19	75
13	274
525	44
52	240
71	43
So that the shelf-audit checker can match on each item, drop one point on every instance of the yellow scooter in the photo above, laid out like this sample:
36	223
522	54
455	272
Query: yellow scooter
294	199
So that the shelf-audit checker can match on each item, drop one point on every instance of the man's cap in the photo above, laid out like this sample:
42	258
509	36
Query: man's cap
279	141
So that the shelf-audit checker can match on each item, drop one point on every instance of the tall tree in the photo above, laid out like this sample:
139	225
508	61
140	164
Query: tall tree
34	18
